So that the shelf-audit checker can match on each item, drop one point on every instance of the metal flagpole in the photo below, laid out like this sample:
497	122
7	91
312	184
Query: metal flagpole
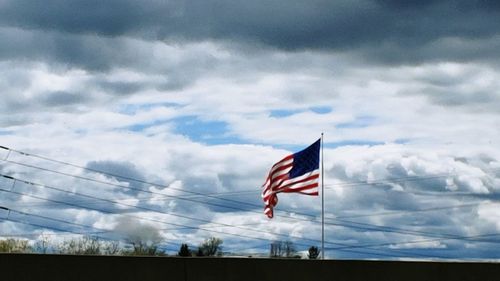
322	203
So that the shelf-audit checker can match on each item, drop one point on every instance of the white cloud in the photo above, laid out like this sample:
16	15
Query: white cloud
429	128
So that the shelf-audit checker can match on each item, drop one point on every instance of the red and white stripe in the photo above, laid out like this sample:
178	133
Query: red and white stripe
278	181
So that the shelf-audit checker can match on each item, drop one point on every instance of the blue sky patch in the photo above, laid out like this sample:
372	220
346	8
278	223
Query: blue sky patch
282	113
132	109
352	143
209	132
321	109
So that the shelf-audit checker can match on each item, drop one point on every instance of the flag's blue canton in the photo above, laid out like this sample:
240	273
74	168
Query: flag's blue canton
306	160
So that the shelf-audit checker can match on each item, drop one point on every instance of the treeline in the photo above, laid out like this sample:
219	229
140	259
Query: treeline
91	245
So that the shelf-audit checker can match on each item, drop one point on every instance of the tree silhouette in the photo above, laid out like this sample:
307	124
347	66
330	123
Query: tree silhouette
184	251
210	247
313	253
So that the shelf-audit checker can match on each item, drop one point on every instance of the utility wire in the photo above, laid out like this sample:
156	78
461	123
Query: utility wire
332	218
346	184
59	220
99	230
147	209
42	226
111	174
405	179
364	227
155	193
344	248
152	210
432	209
370	227
190	200
94	234
388	229
80	233
461	238
31	234
212	195
377	228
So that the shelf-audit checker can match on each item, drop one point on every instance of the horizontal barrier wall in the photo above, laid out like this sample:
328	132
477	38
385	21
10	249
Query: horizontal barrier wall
63	267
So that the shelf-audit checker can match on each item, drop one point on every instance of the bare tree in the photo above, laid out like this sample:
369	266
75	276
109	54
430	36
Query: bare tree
290	250
111	248
141	248
86	245
211	247
276	249
283	249
42	244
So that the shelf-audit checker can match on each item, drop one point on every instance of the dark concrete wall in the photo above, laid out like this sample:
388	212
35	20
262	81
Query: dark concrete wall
88	268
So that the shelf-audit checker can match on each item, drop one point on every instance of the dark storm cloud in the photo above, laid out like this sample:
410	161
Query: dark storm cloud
91	52
62	98
121	88
388	29
484	100
113	17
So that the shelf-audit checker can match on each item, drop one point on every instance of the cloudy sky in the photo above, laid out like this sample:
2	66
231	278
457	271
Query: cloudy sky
187	104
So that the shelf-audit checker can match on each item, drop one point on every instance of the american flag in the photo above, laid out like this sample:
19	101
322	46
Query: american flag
298	172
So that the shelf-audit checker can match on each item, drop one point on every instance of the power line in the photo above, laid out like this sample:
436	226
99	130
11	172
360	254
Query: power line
370	227
218	231
359	183
58	220
42	226
346	184
94	234
461	238
152	210
341	218
364	227
388	229
68	231
151	192
432	209
111	174
101	230
212	195
187	199
344	248
399	254
143	208
31	234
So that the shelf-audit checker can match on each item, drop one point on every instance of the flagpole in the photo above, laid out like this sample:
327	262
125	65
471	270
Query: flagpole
322	203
